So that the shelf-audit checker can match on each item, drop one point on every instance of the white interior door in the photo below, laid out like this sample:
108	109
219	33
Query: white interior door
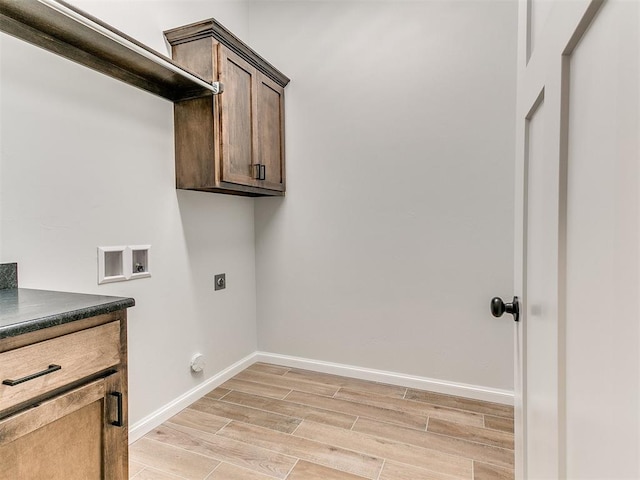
577	240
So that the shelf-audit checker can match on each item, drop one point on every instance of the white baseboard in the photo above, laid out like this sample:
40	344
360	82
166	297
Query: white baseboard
411	381
155	419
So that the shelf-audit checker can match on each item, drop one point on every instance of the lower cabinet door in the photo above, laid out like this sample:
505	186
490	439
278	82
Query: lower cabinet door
61	438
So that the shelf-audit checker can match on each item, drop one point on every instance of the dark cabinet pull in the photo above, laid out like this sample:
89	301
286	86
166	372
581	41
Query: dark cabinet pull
260	171
50	369
118	422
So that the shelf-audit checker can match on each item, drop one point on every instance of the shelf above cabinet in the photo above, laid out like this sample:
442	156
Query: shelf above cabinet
69	32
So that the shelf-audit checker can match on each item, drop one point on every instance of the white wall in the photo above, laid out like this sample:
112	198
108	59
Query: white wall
397	226
87	161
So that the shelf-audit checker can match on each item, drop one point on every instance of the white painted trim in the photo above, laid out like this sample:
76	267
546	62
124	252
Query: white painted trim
411	381
155	419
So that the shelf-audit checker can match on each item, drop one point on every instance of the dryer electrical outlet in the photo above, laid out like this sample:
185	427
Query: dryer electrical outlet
220	281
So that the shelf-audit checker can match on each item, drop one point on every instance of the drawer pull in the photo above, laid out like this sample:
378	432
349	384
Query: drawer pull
50	369
119	422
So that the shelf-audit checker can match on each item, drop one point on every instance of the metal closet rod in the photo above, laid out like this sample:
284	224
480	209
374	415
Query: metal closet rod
64	9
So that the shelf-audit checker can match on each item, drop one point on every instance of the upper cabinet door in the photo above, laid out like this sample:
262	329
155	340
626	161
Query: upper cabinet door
270	124
237	120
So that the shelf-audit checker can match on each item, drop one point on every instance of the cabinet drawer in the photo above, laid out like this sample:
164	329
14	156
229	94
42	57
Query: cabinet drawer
78	355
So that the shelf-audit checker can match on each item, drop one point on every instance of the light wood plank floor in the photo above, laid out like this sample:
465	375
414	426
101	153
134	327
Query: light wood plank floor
273	422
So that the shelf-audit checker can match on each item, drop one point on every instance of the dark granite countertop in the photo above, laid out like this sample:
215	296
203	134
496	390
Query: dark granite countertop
23	310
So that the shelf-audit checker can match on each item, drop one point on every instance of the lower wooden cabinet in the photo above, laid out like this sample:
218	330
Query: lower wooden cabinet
77	430
63	438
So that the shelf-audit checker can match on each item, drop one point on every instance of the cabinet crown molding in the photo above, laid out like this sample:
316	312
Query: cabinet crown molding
211	28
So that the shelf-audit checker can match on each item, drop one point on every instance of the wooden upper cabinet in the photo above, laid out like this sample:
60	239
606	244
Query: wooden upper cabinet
232	142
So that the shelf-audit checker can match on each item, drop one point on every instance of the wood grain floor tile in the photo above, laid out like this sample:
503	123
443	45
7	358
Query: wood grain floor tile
410	406
397	451
441	443
217	393
227	471
199	420
263	389
331	456
482	471
399	471
461	403
135	467
291	409
225	449
473	434
359	409
289	383
153	474
499	423
172	460
194	433
327	427
311	471
267	368
241	413
352	383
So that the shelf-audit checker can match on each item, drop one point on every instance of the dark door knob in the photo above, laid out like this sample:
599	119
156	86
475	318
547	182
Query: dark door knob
498	307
